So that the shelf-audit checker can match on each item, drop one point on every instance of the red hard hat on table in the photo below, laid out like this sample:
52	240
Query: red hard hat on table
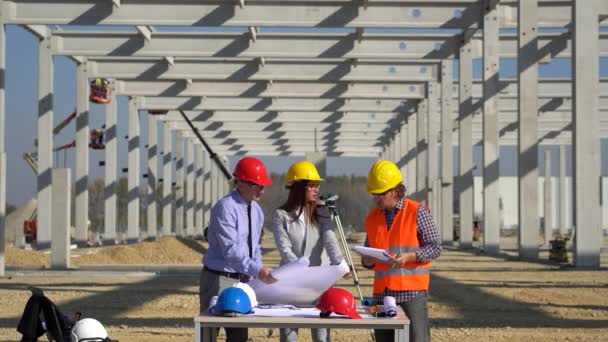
252	170
339	301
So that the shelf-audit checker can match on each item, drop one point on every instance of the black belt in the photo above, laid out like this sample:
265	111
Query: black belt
243	278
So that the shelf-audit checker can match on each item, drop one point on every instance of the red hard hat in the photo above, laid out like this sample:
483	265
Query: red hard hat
339	301
252	170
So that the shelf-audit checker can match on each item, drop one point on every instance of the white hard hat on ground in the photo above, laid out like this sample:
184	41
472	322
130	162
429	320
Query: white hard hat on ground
89	330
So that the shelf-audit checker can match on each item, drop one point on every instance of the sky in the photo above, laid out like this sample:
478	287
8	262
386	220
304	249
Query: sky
21	114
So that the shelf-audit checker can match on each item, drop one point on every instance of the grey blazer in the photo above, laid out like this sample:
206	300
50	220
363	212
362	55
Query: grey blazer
321	246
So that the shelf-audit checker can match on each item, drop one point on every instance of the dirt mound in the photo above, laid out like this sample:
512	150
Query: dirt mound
21	257
167	250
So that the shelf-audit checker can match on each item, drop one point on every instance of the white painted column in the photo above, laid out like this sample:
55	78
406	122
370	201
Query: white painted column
421	152
447	159
403	154
45	142
83	135
548	199
214	180
528	128
2	146
167	180
491	219
152	176
179	185
226	160
412	141
563	184
207	186
110	173
199	224
391	149
585	122
62	208
134	173
190	188
433	115
465	140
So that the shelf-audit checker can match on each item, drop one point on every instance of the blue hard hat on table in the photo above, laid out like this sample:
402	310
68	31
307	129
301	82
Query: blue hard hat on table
233	300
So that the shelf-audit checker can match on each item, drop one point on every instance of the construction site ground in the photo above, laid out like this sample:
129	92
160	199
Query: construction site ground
149	292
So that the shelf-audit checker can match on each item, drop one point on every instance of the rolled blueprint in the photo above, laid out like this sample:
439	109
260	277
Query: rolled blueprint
390	306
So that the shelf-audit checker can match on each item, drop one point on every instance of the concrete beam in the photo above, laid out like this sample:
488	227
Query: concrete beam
296	45
449	14
327	70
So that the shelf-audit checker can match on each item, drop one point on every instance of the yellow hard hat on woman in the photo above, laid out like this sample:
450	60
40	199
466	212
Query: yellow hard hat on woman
302	170
383	176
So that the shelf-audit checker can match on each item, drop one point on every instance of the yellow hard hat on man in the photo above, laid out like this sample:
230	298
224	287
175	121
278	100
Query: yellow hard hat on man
302	171
383	176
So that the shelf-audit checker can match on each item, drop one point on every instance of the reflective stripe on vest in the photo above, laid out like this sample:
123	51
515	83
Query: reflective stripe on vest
402	249
405	271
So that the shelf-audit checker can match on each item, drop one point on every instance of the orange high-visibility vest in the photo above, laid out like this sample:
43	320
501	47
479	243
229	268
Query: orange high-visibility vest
402	237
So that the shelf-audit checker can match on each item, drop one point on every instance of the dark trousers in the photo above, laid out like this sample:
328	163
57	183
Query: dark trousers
30	325
210	285
420	330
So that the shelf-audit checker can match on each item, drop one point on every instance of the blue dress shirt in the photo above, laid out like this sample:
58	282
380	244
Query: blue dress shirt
228	233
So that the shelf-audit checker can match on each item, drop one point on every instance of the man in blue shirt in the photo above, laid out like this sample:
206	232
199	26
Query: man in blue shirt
235	228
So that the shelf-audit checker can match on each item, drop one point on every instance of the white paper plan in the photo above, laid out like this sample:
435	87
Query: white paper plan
297	283
377	253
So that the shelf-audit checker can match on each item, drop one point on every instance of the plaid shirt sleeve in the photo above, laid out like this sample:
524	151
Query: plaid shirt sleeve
428	236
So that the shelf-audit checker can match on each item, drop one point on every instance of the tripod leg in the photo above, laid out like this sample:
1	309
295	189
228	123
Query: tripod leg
349	260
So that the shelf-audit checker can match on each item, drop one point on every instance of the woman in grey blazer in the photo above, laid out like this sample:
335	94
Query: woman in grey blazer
303	229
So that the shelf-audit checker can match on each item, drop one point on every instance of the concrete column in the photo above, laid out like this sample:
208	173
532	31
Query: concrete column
2	147
190	188
421	152
45	142
179	185
167	180
219	181
62	192
563	184
585	120
432	123
491	221
412	140
82	155
465	140
392	146
134	173
320	161
207	199
199	182
528	128
214	180
152	176
403	153
226	160
110	173
447	159
2	201
548	199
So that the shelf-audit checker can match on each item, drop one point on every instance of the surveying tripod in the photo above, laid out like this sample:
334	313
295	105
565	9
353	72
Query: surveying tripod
330	203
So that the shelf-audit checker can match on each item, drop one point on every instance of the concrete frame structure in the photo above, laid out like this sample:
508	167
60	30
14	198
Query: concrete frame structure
489	15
